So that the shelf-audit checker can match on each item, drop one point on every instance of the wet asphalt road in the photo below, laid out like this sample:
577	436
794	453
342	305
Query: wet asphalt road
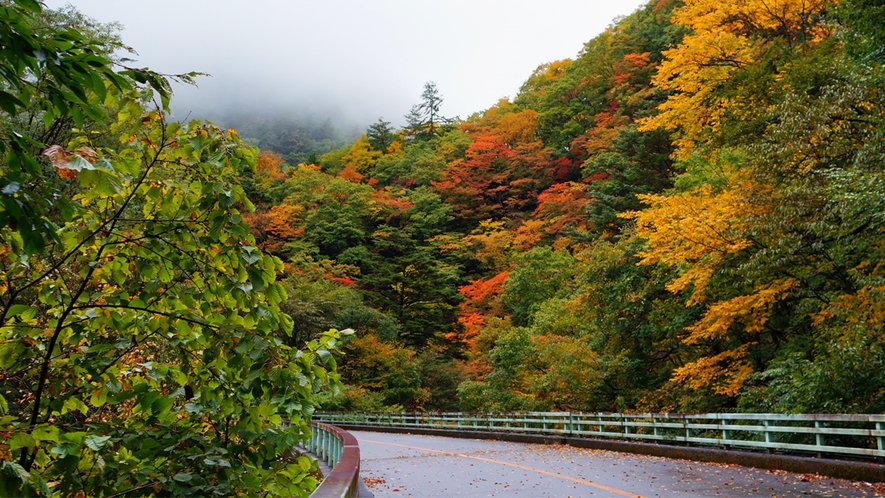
405	465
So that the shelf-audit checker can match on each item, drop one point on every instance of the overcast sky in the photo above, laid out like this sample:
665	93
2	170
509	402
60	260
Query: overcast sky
352	60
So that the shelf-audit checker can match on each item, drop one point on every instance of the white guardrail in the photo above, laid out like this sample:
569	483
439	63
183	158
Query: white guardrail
842	435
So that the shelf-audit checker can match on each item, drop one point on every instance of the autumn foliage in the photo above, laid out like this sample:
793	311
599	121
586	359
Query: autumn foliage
661	223
683	217
686	216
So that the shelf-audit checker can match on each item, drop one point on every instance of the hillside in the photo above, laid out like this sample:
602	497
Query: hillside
685	217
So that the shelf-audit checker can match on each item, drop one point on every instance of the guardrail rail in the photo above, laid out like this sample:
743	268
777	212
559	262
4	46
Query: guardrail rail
340	450
845	435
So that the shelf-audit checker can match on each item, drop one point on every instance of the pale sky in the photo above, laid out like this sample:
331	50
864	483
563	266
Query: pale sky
348	59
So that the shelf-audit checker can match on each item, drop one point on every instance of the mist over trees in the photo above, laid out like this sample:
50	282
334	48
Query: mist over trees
297	138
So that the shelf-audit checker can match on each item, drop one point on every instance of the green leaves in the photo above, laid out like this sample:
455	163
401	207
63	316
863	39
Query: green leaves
50	74
183	477
251	255
96	443
10	103
24	312
15	481
155	319
21	440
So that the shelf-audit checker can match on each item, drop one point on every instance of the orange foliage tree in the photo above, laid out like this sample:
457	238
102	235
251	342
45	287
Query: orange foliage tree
275	227
481	300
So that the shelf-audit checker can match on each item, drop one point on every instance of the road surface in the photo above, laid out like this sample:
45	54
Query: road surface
405	465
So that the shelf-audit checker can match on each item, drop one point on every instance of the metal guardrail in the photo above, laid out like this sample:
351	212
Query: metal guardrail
834	435
340	450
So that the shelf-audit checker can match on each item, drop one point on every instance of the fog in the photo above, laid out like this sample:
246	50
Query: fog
352	61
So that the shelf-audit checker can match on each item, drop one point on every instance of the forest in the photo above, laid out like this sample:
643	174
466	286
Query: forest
689	216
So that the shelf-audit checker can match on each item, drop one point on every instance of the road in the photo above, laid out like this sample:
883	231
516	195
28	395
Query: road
405	465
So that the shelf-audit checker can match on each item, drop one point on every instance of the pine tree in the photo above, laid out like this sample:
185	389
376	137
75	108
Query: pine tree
380	135
424	119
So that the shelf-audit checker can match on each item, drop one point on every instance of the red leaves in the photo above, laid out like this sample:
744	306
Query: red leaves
479	292
344	280
494	179
563	205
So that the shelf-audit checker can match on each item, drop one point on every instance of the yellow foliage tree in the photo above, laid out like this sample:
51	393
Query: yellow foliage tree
752	310
695	230
530	234
270	164
361	157
723	38
725	373
395	147
518	127
492	244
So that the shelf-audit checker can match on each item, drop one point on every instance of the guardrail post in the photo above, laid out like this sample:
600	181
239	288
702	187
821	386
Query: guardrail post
685	422
654	426
880	439
818	438
316	444
327	447
327	450
725	434
626	427
768	438
330	449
